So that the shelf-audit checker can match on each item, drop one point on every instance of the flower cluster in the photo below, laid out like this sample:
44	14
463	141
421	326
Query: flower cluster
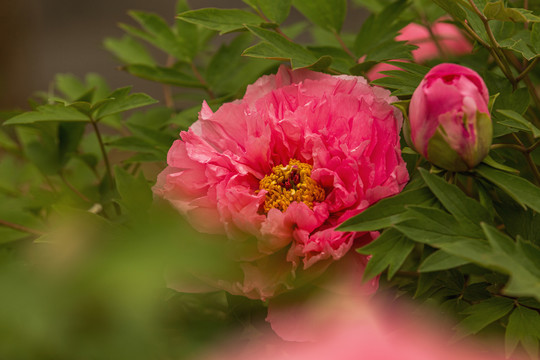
280	169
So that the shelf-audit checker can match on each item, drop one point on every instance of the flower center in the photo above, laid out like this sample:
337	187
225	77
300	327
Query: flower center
290	183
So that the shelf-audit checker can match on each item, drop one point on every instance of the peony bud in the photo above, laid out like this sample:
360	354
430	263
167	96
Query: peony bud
449	118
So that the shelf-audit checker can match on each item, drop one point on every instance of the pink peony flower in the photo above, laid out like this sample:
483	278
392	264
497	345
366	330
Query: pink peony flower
449	117
278	170
450	41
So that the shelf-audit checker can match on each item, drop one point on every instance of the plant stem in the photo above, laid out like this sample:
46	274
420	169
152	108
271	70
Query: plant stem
530	86
49	182
533	146
135	168
20	228
335	72
434	37
73	188
343	45
526	151
167	89
487	46
276	29
533	167
202	81
529	67
518	139
509	146
532	91
103	153
497	53
475	35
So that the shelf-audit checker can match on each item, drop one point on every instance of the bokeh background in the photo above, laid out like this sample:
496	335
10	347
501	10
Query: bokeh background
40	38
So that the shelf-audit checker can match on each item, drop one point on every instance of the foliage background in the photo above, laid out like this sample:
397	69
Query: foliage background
85	276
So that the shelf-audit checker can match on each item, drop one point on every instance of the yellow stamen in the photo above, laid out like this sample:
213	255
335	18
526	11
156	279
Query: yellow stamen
290	183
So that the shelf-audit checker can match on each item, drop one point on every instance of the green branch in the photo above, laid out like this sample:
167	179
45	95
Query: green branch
20	228
103	153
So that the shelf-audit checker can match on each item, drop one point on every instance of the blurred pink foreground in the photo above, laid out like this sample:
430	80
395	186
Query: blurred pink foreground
339	329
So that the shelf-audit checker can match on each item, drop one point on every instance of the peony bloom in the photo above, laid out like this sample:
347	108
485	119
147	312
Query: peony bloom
450	41
280	169
449	117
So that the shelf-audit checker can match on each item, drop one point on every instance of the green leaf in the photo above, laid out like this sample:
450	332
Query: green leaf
510	259
226	60
519	222
146	157
464	208
135	193
163	75
129	51
519	122
440	222
426	284
40	147
265	50
341	61
222	20
440	260
488	160
483	314
520	42
477	291
189	34
523	327
278	47
453	8
498	11
521	190
328	14
137	144
362	68
388	212
70	86
15	211
374	6
6	142
155	117
517	100
56	112
275	10
158	33
162	139
122	101
69	137
376	38
535	37
404	82
441	230
390	249
295	29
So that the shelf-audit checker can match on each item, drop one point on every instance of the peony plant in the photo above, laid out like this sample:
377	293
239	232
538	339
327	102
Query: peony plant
290	205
